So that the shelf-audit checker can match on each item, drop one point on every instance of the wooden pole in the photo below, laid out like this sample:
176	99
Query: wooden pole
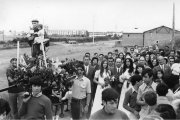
173	26
17	54
44	56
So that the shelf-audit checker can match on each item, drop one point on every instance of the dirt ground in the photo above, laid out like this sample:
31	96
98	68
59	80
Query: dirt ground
60	50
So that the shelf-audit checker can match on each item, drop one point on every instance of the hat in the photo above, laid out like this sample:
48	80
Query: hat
35	20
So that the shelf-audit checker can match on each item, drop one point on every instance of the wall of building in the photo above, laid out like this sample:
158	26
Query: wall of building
162	37
131	39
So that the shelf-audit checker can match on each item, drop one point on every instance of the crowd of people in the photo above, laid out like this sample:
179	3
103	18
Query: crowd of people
149	76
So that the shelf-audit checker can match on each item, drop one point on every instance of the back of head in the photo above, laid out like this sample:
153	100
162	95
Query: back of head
109	94
135	78
162	89
148	71
150	98
4	107
166	111
36	80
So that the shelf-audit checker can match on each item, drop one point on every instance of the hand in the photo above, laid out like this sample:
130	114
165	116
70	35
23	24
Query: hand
136	114
86	108
25	99
102	85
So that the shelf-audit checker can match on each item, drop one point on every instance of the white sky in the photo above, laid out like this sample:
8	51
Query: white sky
108	15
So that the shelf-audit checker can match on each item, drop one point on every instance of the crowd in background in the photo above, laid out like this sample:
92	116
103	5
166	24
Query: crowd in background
149	75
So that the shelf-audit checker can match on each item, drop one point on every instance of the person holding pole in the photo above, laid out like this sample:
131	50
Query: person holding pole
15	93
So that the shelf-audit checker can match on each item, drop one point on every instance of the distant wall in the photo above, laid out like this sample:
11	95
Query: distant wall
162	37
131	39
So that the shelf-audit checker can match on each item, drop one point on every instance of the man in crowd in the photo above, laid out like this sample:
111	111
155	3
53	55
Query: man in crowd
131	96
148	85
81	95
116	72
162	66
37	105
109	111
110	63
15	93
89	73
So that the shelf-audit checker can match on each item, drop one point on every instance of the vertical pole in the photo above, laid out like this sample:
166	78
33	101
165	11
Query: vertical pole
173	26
3	35
44	56
17	54
93	29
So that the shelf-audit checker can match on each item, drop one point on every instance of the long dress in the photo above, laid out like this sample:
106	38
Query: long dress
97	105
125	75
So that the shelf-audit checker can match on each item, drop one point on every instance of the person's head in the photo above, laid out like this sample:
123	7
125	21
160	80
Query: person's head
87	54
162	89
86	60
131	50
116	52
161	60
110	61
80	70
96	55
94	61
69	86
166	111
110	54
40	26
172	81
4	109
36	84
142	60
128	62
171	60
13	62
34	22
118	62
125	49
150	98
139	68
121	55
172	53
147	57
101	56
104	64
136	80
155	62
147	75
110	100
160	74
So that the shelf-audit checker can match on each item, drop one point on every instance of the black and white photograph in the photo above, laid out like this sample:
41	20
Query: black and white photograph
90	59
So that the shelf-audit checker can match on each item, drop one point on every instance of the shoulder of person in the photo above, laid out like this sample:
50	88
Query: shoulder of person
123	115
45	98
96	115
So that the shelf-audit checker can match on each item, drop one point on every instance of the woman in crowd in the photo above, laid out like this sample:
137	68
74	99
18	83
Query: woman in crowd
128	71
139	69
159	77
154	63
121	55
101	79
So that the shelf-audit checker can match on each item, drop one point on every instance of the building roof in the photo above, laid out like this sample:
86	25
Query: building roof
167	28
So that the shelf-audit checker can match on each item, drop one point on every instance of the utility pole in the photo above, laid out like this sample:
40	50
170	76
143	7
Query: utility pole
93	28
173	26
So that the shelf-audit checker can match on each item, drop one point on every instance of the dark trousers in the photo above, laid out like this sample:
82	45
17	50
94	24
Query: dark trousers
36	50
77	108
15	101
